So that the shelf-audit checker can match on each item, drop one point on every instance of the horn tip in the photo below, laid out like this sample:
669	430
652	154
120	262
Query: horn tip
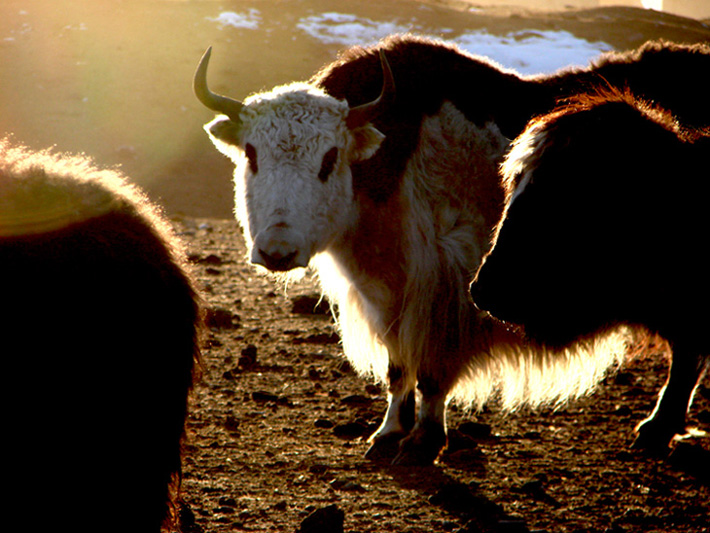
207	54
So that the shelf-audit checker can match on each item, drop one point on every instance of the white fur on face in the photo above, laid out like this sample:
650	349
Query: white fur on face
287	211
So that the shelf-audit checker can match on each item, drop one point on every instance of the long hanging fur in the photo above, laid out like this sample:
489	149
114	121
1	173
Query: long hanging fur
436	296
521	373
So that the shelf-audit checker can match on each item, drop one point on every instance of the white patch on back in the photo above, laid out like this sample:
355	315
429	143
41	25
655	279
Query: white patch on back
517	166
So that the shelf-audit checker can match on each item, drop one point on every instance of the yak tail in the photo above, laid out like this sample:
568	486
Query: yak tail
506	366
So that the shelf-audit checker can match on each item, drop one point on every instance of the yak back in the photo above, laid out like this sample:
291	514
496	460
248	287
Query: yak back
427	73
669	75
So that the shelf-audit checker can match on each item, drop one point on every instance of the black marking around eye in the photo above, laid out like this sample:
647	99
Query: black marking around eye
250	152
329	159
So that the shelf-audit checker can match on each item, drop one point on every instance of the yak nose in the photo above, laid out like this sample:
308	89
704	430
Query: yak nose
279	249
277	261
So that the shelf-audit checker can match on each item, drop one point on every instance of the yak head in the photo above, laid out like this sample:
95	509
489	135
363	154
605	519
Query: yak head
292	147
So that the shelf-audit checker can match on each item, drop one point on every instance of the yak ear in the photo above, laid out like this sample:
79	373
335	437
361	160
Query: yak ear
226	135
224	130
367	141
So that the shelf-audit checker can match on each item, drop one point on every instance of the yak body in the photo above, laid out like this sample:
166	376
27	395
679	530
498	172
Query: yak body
606	229
99	338
396	212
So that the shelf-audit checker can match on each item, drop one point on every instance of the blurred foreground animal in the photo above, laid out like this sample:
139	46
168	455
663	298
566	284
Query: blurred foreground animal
382	174
606	232
99	339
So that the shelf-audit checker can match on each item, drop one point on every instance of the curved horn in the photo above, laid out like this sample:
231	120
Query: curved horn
213	101
362	114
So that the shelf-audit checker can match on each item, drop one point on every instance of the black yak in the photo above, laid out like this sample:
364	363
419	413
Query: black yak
606	232
100	346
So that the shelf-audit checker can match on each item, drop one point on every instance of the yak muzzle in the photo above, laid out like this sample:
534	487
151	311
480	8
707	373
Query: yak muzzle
279	248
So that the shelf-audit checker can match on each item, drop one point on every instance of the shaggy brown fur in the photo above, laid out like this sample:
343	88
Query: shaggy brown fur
427	73
607	228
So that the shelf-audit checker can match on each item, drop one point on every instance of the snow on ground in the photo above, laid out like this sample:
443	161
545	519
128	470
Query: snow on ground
248	21
528	52
348	30
533	52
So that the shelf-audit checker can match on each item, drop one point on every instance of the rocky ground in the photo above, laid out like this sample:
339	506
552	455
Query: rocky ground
279	424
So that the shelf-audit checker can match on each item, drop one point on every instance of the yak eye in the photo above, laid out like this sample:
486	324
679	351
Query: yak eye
250	152
328	164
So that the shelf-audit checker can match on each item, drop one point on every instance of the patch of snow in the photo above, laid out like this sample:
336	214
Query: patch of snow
527	52
242	21
533	51
348	30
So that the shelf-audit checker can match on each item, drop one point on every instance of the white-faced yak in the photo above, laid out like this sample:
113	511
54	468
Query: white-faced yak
99	338
381	173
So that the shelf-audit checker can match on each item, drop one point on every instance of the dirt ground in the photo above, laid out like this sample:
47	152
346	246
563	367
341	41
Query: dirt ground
279	424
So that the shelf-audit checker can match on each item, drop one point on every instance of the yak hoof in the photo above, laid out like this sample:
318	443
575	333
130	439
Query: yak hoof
421	447
654	439
384	447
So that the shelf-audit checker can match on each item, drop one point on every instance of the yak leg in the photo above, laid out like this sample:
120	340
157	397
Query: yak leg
428	437
399	418
439	370
668	418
